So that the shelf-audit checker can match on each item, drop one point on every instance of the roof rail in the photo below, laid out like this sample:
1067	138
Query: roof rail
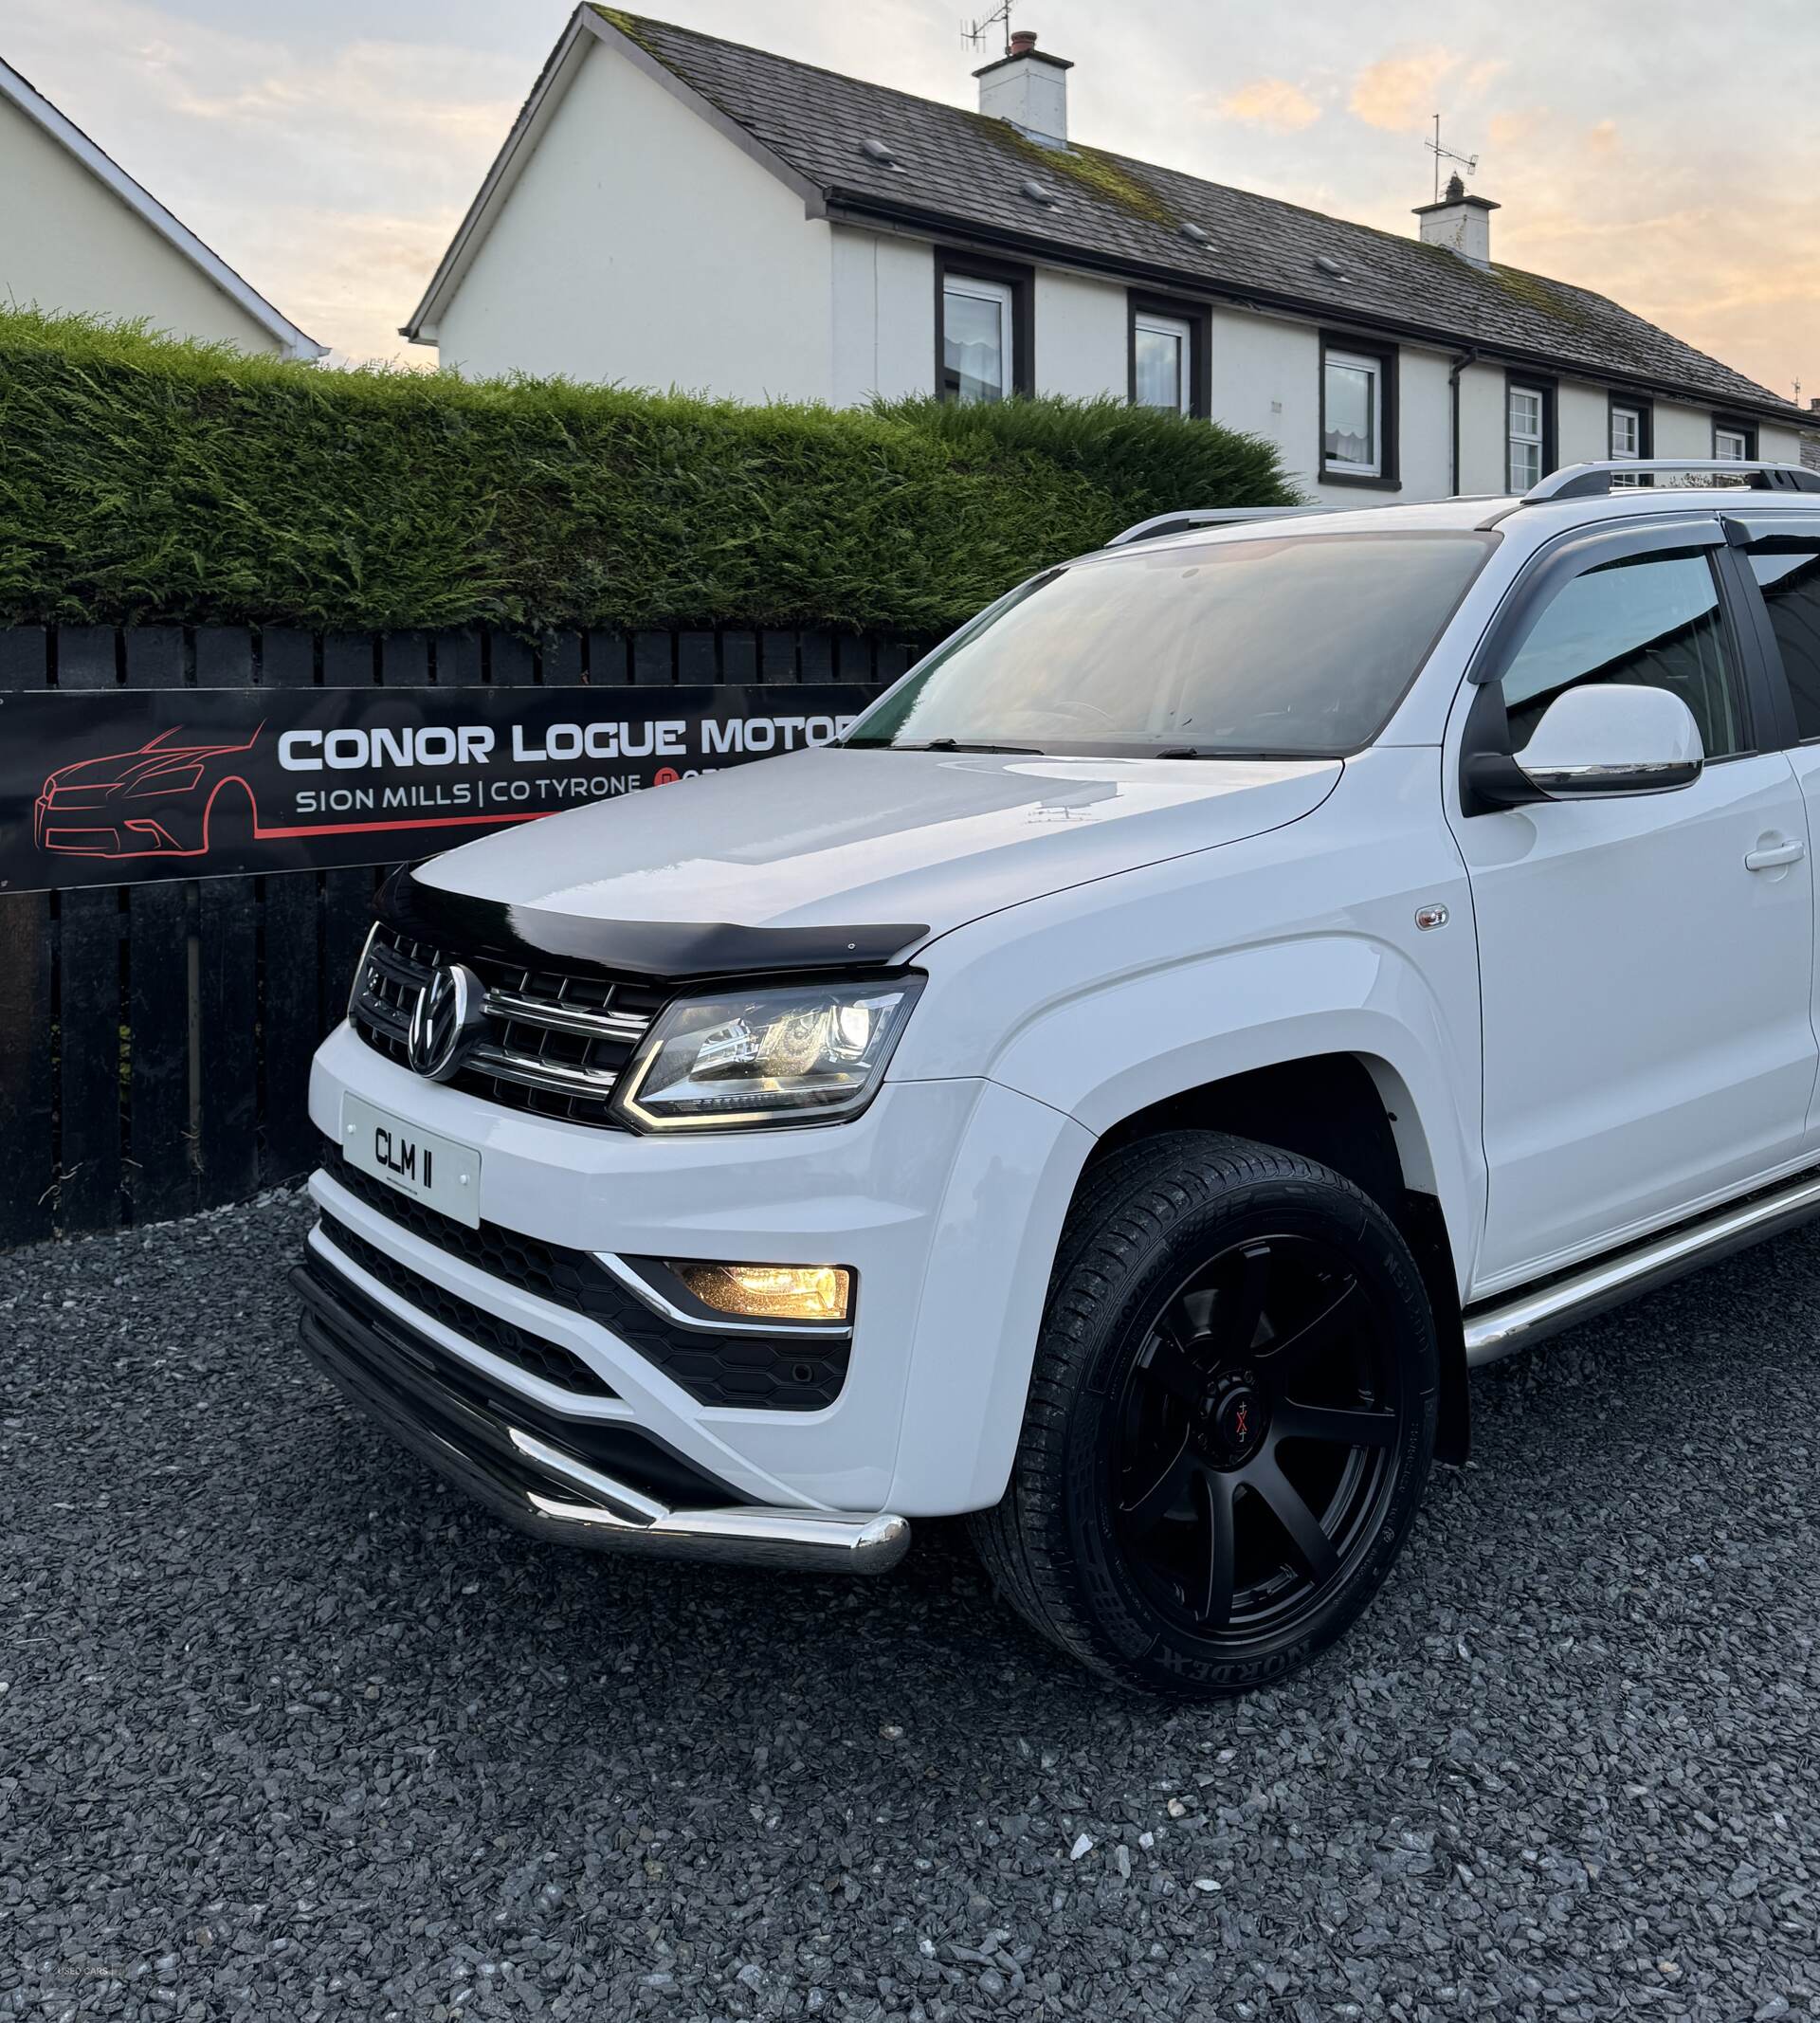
1161	524
1592	481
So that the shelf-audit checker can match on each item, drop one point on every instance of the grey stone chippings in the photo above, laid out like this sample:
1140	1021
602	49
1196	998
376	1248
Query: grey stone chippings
289	1729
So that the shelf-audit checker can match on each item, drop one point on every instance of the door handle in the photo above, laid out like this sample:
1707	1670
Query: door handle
1774	857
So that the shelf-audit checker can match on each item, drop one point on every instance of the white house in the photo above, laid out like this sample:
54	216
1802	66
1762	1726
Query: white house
77	233
673	209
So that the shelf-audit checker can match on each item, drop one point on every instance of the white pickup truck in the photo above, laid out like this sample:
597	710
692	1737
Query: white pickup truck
1241	982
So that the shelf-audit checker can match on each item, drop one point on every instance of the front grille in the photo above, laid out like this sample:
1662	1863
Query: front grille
767	1372
555	1042
531	1353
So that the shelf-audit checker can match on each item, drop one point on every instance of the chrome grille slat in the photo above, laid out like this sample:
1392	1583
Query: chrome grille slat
531	1073
389	1016
556	1044
390	964
567	1018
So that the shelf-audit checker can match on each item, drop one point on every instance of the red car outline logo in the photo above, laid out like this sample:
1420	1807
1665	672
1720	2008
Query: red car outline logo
81	807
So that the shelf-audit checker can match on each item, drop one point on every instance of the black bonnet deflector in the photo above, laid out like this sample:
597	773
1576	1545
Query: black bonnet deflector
670	950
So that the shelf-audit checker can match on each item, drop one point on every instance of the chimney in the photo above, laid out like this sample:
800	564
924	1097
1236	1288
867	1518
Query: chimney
1030	89
1459	222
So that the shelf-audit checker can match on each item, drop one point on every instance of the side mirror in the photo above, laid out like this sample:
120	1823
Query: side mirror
1607	739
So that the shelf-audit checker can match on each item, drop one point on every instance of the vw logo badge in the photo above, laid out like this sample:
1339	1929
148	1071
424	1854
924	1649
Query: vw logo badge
447	1016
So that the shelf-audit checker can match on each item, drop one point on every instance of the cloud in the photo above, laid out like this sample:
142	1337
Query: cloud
1272	103
1398	93
1603	138
1508	130
1402	91
354	274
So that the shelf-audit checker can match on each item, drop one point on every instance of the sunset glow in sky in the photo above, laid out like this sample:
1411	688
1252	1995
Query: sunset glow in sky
1660	151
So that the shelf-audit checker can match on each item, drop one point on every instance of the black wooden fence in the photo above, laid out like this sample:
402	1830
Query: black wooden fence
155	1038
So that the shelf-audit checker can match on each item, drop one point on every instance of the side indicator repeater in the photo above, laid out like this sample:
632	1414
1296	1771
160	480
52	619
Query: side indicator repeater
1426	916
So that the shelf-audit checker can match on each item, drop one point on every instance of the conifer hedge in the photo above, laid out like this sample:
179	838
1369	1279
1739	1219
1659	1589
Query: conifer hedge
143	481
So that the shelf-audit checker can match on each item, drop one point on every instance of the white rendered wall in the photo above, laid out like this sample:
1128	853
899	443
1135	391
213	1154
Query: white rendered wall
1582	423
1083	336
68	243
1683	431
639	246
884	309
1483	462
1267	380
1427	426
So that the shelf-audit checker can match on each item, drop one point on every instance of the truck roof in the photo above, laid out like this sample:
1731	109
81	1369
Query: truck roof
1568	507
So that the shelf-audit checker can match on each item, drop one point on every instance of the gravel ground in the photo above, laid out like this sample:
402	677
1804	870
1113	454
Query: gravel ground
287	1730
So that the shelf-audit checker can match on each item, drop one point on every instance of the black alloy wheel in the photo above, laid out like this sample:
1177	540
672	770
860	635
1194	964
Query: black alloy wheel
1230	1420
1253	1443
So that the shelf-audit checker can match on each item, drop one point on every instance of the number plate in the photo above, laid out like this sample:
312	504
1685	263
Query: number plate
435	1171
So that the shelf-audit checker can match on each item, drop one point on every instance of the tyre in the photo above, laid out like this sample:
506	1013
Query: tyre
1230	1419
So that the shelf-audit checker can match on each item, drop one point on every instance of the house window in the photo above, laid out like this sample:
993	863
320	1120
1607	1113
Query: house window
1168	355
1353	429
1357	414
1630	437
977	323
982	328
1162	362
1526	429
1734	442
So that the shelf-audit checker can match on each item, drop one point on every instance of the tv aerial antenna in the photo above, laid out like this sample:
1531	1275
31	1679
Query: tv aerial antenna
975	32
1468	163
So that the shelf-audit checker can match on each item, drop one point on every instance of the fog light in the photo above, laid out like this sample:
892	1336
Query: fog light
771	1292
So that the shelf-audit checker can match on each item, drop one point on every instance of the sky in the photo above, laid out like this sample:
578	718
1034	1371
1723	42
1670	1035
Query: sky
1660	151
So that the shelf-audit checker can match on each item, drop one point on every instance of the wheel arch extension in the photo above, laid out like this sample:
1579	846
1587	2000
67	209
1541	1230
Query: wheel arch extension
1355	1113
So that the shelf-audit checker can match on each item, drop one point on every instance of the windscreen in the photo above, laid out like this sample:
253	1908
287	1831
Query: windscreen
1298	646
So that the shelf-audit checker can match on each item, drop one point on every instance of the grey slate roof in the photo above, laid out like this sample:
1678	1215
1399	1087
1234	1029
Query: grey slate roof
965	172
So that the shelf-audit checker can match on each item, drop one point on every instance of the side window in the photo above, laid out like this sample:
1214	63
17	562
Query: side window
1653	620
1788	572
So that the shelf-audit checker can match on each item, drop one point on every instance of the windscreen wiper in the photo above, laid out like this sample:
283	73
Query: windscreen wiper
954	744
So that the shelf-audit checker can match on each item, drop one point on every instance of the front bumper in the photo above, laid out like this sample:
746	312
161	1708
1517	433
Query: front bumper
87	830
524	1475
945	1197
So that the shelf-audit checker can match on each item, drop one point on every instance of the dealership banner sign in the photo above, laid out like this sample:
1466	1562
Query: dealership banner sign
111	788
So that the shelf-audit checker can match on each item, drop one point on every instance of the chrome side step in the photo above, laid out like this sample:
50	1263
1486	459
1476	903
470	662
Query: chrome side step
1501	1329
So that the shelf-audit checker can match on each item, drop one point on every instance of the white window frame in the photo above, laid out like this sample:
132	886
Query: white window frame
1004	298
1178	327
1516	438
1360	362
1622	410
1721	435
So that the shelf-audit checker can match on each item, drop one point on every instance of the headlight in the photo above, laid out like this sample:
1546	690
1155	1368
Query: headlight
795	1054
180	780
